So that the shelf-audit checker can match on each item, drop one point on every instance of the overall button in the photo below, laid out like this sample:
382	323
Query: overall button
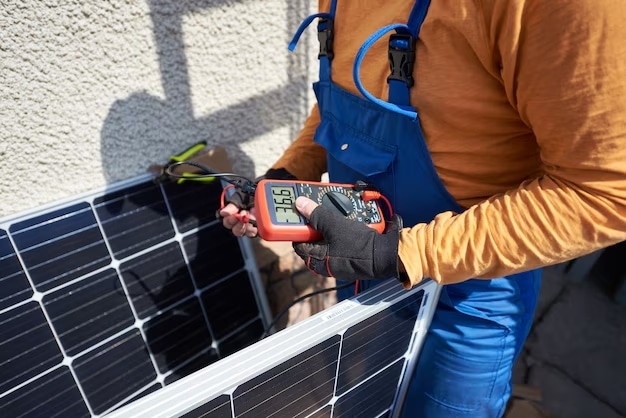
344	147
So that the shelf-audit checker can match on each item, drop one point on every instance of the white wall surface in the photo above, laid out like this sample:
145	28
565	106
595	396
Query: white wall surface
94	91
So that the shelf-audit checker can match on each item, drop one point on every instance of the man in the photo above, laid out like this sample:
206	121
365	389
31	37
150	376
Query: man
503	149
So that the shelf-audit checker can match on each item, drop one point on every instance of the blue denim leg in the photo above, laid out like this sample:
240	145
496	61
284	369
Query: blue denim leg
464	368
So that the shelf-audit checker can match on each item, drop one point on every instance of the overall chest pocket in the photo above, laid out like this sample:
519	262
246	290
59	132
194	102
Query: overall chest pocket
352	155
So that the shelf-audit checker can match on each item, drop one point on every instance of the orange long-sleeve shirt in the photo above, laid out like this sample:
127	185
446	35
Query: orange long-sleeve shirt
523	106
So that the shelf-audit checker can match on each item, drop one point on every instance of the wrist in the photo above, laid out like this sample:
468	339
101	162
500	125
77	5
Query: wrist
279	174
386	260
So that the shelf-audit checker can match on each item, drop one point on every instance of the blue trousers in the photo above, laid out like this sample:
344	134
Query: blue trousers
466	362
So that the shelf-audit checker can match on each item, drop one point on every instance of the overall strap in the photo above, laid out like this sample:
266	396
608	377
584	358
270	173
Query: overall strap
402	56
325	35
401	61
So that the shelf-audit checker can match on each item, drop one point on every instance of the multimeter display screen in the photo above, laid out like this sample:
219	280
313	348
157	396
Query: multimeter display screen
284	200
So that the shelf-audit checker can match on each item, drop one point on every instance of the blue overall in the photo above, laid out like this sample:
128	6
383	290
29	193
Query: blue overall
479	327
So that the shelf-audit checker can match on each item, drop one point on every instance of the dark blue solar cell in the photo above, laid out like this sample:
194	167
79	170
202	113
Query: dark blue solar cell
295	388
14	286
27	345
54	394
212	253
134	219
372	344
114	371
242	338
60	246
89	311
149	390
208	357
177	335
372	397
230	304
325	412
193	204
93	307
157	279
217	408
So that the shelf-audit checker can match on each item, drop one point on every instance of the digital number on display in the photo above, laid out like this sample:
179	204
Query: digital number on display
284	200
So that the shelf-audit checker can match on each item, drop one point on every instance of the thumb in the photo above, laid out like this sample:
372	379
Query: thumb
305	206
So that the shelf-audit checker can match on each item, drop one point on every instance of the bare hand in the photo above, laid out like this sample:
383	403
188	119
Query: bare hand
231	219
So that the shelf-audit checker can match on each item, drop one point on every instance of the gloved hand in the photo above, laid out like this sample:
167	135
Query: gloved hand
242	204
350	250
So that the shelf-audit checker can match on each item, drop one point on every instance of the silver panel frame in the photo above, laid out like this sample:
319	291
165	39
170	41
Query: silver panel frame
225	375
89	197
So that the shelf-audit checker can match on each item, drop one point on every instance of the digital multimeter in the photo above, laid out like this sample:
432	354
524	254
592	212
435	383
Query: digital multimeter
278	220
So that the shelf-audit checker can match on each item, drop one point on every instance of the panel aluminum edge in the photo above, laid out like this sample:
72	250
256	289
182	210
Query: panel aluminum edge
224	376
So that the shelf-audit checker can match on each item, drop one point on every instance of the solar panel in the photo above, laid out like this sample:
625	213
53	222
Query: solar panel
349	360
114	294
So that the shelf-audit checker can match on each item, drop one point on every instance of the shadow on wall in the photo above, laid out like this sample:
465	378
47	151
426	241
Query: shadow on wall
144	129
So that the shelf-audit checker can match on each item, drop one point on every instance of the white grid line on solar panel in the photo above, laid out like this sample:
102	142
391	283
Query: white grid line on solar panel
278	376
110	365
35	406
85	307
388	331
356	387
277	411
65	361
250	264
82	197
335	398
40	294
52	220
31	348
130	258
115	263
161	376
32	298
69	272
192	391
157	237
388	342
341	342
140	322
89	198
424	318
317	411
236	331
13	295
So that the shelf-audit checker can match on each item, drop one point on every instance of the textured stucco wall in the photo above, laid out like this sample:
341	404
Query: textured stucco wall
93	92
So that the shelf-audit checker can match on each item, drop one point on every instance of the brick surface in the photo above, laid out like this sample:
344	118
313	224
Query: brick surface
286	278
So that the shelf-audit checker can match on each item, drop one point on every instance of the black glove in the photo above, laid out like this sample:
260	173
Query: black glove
351	250
246	200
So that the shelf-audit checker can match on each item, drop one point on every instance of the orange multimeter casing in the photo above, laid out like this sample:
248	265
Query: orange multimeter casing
278	220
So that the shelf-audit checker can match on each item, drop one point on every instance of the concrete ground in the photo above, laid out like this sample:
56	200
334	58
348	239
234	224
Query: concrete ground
574	358
576	352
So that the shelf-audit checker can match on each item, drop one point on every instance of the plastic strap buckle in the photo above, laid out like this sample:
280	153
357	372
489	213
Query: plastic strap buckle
401	58
325	36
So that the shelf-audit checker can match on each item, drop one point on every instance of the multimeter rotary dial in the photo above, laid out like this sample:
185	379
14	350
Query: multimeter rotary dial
338	201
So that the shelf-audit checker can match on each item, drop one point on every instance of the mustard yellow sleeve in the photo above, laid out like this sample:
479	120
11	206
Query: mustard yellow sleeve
304	158
564	70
